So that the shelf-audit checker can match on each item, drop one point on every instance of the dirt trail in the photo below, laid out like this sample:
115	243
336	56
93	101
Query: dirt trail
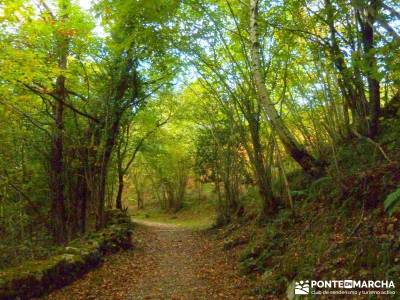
167	263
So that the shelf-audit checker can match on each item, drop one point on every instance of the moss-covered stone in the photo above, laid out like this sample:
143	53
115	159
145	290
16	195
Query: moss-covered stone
35	278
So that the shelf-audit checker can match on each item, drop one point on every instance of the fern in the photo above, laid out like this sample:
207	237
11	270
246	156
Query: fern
392	201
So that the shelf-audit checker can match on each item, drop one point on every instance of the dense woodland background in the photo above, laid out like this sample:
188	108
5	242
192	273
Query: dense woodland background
273	112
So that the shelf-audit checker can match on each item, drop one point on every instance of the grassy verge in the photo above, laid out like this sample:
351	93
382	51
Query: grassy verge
196	215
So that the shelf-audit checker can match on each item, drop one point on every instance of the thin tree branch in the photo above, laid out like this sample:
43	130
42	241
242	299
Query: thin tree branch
71	107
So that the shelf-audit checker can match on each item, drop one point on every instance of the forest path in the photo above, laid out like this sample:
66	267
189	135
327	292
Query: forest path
168	262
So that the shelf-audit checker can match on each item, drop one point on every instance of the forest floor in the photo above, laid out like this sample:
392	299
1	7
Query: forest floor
167	262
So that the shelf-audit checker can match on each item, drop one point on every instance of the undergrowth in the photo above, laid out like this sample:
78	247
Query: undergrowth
338	227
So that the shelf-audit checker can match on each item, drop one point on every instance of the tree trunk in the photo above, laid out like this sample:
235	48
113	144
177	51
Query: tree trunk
372	67
111	137
57	172
83	210
118	202
101	187
305	160
270	203
117	111
350	82
57	186
139	197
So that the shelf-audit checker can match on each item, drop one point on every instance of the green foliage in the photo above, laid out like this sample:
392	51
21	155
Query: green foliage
319	187
299	194
148	98
392	201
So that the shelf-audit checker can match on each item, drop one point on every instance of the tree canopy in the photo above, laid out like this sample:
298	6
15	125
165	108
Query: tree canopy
142	99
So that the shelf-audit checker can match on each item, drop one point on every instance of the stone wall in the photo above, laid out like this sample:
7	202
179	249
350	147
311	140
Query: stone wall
35	278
